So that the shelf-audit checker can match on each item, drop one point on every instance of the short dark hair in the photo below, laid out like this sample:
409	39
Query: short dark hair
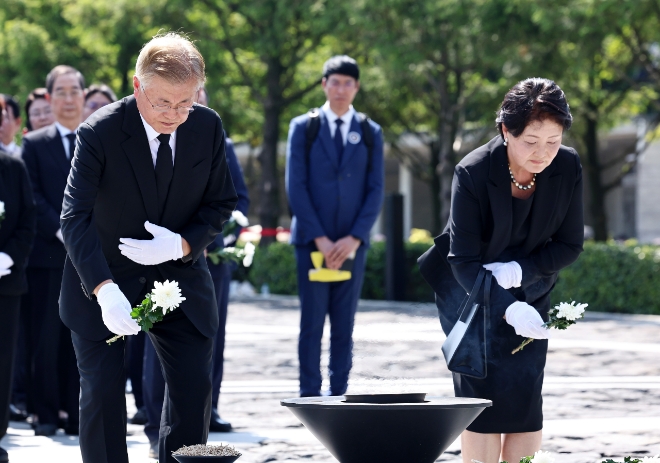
530	100
341	64
36	94
102	89
10	102
61	70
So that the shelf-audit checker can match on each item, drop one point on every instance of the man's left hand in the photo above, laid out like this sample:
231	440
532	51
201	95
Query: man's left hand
165	246
342	249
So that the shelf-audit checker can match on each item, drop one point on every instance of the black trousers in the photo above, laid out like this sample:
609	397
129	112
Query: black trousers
53	376
221	275
185	356
9	311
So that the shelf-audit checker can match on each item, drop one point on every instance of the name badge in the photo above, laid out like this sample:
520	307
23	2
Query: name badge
354	138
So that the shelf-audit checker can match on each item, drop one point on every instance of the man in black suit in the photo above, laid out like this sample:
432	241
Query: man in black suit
47	153
17	228
148	191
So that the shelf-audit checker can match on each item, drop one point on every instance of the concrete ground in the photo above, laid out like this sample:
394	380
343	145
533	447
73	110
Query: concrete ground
601	393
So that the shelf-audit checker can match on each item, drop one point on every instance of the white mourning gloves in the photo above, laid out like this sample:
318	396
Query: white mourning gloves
5	262
165	246
116	310
507	274
526	321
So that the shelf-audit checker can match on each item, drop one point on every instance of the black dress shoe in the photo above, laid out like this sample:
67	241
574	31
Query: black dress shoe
4	457
16	414
217	424
45	430
140	416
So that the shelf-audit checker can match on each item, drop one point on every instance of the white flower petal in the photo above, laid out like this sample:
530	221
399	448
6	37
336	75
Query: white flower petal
542	457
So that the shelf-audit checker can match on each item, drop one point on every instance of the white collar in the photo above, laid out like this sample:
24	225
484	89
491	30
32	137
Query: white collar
63	130
346	118
151	132
10	148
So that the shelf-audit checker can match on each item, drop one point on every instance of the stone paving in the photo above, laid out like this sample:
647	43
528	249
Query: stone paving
601	394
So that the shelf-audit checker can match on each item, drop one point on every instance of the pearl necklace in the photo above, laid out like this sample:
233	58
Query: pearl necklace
522	187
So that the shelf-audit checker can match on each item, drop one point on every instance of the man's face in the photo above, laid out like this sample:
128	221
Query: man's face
171	100
9	127
340	90
40	114
67	99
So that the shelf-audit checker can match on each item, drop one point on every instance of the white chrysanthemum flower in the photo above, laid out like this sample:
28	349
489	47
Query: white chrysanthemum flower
570	311
542	457
655	459
2	207
167	295
249	254
240	218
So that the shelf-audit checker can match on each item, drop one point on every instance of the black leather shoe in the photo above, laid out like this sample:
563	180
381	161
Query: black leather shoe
45	430
140	416
16	414
4	457
218	424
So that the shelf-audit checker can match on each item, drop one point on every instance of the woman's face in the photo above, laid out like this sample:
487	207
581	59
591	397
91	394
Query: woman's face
93	103
40	114
536	147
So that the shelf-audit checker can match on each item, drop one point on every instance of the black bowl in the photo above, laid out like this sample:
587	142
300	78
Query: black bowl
386	433
202	459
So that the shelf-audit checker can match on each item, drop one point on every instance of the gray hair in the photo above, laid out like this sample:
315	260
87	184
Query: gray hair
172	57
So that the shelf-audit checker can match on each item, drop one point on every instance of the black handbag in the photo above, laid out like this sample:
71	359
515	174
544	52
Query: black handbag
465	349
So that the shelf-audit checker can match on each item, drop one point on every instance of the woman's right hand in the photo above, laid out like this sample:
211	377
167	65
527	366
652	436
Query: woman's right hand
526	321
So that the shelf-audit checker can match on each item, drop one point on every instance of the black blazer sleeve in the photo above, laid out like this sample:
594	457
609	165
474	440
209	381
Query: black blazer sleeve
566	243
80	237
19	245
465	246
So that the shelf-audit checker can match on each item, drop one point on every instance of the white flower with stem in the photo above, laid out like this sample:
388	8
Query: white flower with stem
570	311
249	254
240	218
166	295
542	457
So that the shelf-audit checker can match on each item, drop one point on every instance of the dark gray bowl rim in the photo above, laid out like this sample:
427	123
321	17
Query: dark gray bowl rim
337	402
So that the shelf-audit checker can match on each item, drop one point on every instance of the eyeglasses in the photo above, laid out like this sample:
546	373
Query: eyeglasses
163	108
348	85
75	93
39	113
94	105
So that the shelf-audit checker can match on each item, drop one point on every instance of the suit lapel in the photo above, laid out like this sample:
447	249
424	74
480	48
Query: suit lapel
326	140
139	155
56	146
545	199
499	193
183	163
351	148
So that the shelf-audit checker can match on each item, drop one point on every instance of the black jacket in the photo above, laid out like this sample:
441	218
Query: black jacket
17	229
479	227
48	167
111	192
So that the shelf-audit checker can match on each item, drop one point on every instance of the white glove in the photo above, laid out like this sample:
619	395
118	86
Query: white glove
165	246
5	262
227	240
507	274
59	236
526	321
116	310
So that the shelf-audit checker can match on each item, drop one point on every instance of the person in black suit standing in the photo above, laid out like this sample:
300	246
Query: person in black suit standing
17	229
148	191
47	153
517	210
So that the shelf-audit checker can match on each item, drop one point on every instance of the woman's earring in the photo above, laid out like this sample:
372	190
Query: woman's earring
506	142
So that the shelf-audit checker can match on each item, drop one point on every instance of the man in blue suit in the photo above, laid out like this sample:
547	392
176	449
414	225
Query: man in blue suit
335	191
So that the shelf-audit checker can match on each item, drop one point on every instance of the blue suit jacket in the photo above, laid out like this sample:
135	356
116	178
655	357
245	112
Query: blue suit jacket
328	199
239	185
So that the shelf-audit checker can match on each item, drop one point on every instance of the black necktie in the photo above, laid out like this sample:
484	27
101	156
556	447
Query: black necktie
164	169
339	140
72	143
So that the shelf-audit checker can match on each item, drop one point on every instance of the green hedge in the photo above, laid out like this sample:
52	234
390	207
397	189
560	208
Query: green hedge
609	277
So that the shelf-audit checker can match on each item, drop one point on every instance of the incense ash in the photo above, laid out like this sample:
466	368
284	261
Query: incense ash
207	451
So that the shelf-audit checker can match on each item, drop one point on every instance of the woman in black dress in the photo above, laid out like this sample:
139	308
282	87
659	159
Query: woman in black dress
516	209
17	229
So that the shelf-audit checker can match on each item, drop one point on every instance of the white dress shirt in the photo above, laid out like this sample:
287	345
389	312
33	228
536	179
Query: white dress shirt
332	117
65	141
154	142
11	149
